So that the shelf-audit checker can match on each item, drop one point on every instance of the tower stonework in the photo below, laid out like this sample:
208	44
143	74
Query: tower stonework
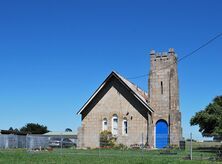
164	94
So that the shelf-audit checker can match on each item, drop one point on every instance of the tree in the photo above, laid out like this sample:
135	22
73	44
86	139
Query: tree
16	130
33	128
209	119
68	130
11	129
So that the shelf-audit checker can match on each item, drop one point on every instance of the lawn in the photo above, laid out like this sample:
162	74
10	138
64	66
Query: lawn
99	156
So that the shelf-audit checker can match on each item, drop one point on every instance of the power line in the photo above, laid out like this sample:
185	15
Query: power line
202	46
137	77
185	56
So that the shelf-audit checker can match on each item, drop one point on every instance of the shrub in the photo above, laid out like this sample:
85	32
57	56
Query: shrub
106	139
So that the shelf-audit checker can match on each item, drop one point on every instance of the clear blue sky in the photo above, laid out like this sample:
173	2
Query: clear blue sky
54	54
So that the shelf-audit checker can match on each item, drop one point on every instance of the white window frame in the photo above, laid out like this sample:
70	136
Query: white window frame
115	131
104	127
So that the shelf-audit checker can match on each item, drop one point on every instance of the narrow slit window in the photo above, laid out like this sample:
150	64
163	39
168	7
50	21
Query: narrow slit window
125	127
161	87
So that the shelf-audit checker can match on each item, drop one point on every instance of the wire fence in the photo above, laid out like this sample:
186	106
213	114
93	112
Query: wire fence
18	141
34	142
162	146
12	141
187	149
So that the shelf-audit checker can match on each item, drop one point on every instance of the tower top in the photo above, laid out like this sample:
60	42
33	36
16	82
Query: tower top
152	52
171	50
159	60
155	54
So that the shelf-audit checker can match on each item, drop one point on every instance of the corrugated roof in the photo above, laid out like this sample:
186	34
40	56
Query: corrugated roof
142	94
57	133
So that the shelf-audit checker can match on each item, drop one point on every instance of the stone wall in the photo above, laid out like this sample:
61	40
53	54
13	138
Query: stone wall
164	93
114	98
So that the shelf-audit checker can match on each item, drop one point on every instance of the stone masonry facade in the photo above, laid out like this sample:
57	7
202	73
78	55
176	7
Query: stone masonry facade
114	99
141	110
163	93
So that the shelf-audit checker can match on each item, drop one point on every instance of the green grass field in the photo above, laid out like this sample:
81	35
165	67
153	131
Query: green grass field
100	156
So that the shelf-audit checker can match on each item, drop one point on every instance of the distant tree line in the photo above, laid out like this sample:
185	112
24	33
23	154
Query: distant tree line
29	128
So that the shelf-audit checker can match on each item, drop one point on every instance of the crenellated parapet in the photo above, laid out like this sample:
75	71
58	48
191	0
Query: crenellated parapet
162	60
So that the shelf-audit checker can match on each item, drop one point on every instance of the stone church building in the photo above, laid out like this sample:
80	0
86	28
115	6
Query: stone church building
132	115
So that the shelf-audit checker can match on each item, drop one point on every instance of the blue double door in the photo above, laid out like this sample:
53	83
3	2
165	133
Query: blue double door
161	134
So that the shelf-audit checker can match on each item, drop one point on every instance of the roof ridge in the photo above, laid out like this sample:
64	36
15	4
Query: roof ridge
139	88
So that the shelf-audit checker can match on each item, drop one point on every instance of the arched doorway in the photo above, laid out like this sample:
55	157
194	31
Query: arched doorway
161	134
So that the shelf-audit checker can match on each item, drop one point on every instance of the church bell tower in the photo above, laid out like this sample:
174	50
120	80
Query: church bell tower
163	87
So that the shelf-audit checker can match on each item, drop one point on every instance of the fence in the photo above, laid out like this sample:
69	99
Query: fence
32	142
163	147
12	141
210	149
36	142
18	141
189	149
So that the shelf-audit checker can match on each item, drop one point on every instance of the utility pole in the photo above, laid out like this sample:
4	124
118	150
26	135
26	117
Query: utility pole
191	156
142	145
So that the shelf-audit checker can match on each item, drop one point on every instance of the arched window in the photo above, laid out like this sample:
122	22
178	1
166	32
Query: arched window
125	127
115	124
104	124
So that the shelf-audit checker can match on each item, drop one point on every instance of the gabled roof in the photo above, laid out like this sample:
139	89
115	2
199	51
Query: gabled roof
139	94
